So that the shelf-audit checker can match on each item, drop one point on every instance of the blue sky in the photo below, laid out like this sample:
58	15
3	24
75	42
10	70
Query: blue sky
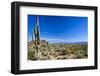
55	29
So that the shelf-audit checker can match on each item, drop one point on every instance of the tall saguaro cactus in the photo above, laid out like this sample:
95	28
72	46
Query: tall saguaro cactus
36	34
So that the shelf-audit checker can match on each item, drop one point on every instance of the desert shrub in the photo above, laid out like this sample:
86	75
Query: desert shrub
31	55
81	54
64	51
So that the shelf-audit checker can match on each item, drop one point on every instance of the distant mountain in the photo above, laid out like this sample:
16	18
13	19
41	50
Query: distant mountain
72	43
80	43
46	42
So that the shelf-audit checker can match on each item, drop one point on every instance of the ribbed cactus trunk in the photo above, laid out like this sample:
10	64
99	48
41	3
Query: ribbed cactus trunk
38	35
35	34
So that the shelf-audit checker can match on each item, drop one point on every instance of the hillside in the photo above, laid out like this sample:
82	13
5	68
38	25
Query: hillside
57	51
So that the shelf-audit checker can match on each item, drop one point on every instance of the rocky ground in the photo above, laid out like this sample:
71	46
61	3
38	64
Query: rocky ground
59	51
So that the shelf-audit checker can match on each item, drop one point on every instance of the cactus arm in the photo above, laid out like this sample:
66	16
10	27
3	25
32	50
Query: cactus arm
38	30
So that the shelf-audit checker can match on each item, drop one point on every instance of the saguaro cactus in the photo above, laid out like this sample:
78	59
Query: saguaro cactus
36	34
